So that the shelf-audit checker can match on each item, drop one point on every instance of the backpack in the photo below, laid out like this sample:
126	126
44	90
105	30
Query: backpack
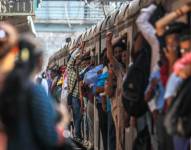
178	118
135	84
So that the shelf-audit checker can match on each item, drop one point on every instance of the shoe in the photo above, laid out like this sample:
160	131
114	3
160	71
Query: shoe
86	143
90	146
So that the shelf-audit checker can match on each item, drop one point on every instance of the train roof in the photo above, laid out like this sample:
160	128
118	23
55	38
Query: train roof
127	10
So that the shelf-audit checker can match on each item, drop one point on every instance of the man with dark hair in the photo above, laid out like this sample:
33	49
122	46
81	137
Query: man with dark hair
118	66
185	42
73	90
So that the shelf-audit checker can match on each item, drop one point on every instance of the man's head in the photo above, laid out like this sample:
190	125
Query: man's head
85	61
53	73
62	69
118	48
8	50
185	42
171	35
125	57
31	53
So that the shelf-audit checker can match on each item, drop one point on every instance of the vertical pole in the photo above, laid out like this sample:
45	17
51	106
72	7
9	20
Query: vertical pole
34	5
96	119
99	54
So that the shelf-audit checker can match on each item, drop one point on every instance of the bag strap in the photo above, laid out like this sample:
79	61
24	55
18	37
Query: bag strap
74	86
75	82
70	55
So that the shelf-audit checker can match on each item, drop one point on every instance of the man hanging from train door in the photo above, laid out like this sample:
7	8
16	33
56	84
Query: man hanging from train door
73	91
118	63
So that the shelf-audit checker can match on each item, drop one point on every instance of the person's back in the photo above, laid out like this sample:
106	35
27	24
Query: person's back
27	113
8	52
28	117
36	122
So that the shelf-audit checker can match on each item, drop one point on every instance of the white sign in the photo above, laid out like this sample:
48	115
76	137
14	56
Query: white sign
16	7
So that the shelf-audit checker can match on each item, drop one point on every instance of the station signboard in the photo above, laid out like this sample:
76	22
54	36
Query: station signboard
16	7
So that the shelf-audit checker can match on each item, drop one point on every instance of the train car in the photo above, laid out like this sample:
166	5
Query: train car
120	22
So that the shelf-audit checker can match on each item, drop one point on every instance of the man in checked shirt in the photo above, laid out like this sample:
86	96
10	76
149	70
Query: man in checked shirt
73	90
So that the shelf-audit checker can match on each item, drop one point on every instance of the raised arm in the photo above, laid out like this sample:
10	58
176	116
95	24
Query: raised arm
109	47
162	23
149	33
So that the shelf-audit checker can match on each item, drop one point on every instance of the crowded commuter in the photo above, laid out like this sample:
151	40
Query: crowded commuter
98	88
54	87
84	93
64	106
108	91
90	81
118	66
73	90
179	142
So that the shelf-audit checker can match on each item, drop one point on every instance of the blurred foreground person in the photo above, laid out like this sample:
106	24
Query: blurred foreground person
8	40
27	113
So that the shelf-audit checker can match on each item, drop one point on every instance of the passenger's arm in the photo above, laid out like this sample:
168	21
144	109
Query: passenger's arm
150	89
148	33
109	48
169	101
112	60
162	23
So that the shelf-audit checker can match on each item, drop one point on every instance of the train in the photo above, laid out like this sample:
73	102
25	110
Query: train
120	23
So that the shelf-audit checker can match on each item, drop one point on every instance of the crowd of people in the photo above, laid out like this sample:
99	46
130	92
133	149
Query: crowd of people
141	95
